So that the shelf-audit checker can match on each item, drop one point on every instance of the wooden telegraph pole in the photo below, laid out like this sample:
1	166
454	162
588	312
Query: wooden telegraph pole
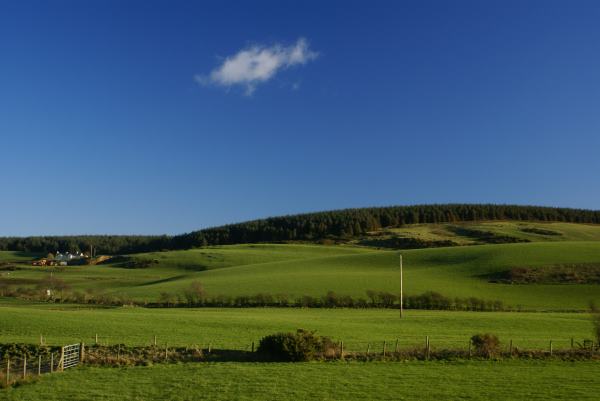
401	287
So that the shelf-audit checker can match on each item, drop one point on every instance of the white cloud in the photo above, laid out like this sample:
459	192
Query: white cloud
257	64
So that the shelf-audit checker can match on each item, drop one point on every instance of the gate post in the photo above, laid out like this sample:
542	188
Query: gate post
81	352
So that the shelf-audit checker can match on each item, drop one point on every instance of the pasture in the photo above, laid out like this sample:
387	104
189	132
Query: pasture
309	269
468	380
300	269
230	328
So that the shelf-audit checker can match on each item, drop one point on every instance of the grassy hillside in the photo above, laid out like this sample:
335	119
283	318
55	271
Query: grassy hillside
237	328
465	233
328	381
16	256
333	225
313	270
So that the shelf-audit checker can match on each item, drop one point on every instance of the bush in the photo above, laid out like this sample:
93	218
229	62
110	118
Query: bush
486	344
28	350
293	347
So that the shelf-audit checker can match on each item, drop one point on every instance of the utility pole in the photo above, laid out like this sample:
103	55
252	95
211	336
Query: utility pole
401	287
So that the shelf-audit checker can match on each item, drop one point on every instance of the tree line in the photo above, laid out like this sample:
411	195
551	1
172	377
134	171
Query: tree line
337	224
54	289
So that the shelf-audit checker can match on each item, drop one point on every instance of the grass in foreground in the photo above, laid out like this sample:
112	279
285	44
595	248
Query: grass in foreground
237	328
509	380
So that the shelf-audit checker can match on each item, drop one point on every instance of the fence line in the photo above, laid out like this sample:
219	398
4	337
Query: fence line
18	368
405	341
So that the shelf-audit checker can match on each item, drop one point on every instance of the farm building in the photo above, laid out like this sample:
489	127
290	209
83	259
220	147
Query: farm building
68	256
60	259
49	262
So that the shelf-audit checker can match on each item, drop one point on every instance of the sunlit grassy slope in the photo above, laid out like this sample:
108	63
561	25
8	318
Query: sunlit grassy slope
313	270
236	328
10	256
475	380
529	231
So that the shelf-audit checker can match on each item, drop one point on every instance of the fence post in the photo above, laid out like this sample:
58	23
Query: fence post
341	350
368	348
7	370
61	362
41	340
209	347
81	352
550	347
384	348
96	338
39	365
396	347
24	366
252	346
155	340
470	351
51	362
572	343
427	349
166	351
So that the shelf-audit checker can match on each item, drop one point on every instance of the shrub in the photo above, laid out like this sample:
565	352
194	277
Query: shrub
486	344
293	347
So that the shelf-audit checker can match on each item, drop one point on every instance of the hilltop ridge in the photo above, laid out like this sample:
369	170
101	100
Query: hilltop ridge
342	224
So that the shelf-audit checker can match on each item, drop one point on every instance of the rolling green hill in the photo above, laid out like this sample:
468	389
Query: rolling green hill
299	269
333	225
475	233
7	257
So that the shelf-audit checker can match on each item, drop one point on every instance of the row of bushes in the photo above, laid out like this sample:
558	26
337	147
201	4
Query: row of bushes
27	350
375	299
574	273
306	345
194	296
299	346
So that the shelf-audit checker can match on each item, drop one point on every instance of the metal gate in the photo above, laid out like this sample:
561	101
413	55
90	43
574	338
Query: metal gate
70	356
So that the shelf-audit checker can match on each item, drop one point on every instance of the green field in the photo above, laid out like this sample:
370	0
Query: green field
509	380
310	269
237	328
13	256
547	231
297	269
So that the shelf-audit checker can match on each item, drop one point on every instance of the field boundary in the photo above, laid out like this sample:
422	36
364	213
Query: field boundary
16	369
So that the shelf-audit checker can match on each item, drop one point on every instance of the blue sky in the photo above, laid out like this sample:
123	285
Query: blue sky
165	117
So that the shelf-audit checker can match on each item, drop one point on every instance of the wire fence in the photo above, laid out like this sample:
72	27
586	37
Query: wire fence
20	368
14	368
244	343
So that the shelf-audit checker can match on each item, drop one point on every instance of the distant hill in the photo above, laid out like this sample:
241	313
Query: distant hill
337	225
